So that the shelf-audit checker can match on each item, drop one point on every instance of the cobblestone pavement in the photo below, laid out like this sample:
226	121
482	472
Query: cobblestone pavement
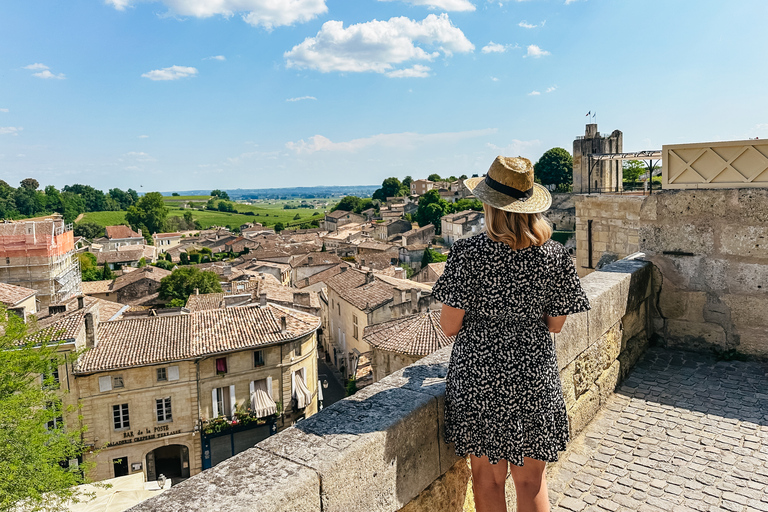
683	433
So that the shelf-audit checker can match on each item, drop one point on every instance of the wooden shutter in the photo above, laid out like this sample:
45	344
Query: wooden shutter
232	401
215	404
105	383
173	373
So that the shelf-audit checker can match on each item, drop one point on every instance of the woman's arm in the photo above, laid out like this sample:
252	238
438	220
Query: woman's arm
451	320
554	323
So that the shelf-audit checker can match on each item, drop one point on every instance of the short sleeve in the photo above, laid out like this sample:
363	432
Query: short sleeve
452	288
566	296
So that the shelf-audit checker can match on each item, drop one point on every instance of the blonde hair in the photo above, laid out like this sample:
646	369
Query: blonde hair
518	230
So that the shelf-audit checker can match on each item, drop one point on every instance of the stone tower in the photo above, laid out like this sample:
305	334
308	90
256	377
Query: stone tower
606	175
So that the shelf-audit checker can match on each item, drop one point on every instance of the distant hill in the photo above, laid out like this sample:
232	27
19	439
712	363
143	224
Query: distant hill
287	193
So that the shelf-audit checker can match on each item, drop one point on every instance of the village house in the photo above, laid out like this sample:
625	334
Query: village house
307	265
357	299
127	256
403	341
431	273
119	236
280	271
389	228
179	393
18	299
421	187
421	235
316	282
461	225
412	255
164	241
338	218
137	288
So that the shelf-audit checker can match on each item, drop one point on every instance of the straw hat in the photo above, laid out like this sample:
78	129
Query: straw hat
509	186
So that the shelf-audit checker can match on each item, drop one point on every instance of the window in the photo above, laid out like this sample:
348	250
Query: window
163	407
339	306
117	381
120	416
258	358
297	349
56	422
354	326
221	365
162	374
222	401
51	377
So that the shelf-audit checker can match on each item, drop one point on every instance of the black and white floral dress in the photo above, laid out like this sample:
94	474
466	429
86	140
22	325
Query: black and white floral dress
503	395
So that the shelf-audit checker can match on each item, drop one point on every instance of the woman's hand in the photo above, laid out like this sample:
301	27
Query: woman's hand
451	320
554	323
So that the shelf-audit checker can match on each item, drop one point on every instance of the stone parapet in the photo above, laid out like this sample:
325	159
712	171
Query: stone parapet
383	448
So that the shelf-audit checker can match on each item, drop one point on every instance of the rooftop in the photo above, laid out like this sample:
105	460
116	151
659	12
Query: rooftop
10	294
418	334
121	232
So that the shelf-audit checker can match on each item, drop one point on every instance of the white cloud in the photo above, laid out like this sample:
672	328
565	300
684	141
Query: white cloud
551	89
216	57
137	156
445	5
10	130
377	46
494	79
36	65
266	13
570	1
3	110
48	75
143	136
302	98
517	148
405	140
762	126
417	71
492	47
534	93
171	73
536	52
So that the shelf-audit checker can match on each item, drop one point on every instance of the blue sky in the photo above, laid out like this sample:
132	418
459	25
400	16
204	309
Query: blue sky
194	94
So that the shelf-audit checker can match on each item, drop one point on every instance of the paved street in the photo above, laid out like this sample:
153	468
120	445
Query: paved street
335	390
683	433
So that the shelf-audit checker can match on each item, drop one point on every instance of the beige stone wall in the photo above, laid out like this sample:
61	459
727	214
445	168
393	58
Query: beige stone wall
342	331
385	362
562	213
614	228
709	248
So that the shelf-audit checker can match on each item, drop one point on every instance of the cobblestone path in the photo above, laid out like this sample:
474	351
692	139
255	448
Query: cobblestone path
683	433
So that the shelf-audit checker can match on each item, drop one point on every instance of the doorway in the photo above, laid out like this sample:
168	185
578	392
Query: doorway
121	466
171	461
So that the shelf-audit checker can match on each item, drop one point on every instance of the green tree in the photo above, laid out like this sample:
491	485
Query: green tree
73	205
142	262
34	441
391	187
89	268
279	227
466	204
432	256
347	204
168	257
150	213
555	167
30	184
225	206
220	194
407	183
632	170
124	199
184	258
89	230
95	200
107	272
431	209
164	264
434	177
175	194
184	280
296	217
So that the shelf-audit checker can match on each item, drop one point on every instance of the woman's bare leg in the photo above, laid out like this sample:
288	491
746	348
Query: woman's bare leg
530	485
488	484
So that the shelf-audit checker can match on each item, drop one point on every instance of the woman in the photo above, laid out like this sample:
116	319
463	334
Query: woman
503	291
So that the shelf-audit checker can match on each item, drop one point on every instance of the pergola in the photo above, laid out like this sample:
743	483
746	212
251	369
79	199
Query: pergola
648	156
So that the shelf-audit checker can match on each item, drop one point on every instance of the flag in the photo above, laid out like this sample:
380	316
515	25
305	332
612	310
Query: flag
589	113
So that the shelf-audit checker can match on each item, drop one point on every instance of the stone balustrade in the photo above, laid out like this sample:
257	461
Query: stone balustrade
382	449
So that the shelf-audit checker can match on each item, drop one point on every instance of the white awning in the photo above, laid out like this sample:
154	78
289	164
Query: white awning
301	392
261	404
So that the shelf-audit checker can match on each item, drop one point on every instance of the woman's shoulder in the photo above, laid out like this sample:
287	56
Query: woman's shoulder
553	250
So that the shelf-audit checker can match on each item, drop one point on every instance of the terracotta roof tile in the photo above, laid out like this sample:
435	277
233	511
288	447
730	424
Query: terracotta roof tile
418	334
90	287
153	340
10	294
121	232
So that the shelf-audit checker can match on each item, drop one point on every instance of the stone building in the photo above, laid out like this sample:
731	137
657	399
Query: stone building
170	394
39	254
431	273
139	287
421	187
334	220
422	235
119	236
461	225
126	255
383	231
605	175
165	241
403	341
357	299
18	299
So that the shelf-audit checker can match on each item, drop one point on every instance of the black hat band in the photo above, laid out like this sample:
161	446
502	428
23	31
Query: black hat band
510	191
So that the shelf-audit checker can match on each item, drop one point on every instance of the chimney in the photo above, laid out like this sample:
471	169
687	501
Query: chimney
415	297
227	270
400	273
263	299
309	259
55	309
306	281
91	326
369	277
197	291
344	268
398	296
140	232
81	302
362	262
301	298
283	324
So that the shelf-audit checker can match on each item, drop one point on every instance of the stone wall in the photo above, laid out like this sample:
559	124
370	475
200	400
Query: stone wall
709	250
382	448
562	213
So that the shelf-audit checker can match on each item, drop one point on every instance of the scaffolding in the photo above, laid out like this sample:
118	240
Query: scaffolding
40	254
